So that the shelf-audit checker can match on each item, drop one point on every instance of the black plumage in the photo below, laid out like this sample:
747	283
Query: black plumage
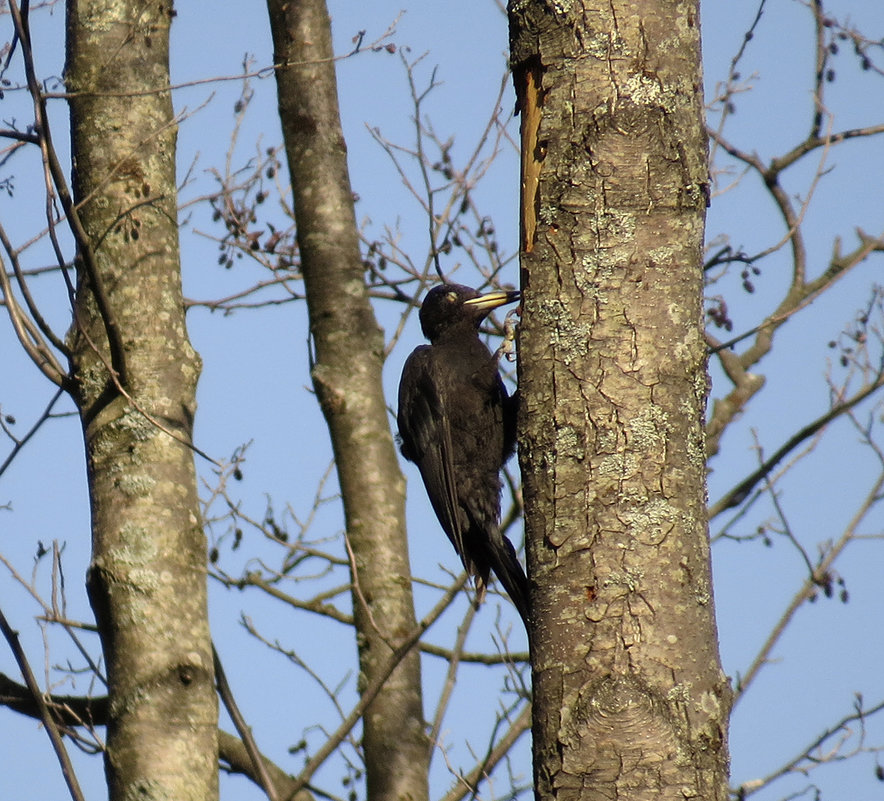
457	423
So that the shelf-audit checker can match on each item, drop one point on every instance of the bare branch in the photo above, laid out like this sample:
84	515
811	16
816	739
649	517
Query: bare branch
808	589
739	493
52	164
811	756
46	717
370	691
20	443
468	783
242	727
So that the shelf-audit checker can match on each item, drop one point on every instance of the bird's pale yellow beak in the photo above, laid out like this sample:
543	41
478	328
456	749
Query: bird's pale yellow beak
491	300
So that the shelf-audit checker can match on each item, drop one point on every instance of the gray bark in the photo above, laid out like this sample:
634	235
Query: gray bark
629	698
348	346
135	376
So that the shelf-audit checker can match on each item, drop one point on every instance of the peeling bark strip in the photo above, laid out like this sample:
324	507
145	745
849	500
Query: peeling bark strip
530	105
147	577
629	698
348	346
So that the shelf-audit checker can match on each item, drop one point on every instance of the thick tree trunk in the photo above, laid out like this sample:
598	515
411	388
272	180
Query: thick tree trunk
147	578
347	377
629	698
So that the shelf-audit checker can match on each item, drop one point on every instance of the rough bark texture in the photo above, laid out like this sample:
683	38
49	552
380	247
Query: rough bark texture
147	578
346	375
629	698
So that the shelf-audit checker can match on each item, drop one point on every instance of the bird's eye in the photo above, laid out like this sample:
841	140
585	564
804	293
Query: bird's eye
451	297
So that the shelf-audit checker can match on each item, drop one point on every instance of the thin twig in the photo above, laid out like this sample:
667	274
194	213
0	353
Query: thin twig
245	731
807	589
20	443
371	690
87	256
64	760
806	756
451	675
468	783
739	493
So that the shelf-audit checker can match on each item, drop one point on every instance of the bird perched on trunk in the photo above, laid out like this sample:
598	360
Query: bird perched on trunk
458	425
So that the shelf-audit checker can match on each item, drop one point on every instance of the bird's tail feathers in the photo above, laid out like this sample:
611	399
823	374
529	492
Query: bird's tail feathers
506	566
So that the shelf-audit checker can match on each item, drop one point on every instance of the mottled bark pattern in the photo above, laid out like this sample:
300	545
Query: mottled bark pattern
348	349
630	700
147	578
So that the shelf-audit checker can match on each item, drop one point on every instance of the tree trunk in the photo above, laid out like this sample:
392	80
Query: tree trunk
147	577
629	698
346	375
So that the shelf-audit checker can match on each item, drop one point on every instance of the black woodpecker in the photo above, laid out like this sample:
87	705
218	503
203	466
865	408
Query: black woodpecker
458	425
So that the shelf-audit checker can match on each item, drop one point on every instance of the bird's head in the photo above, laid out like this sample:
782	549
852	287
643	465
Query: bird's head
447	306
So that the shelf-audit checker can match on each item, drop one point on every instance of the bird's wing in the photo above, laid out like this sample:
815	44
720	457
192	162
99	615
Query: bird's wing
426	441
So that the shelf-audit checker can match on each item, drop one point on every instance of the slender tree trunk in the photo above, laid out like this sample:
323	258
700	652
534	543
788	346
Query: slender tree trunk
147	577
629	698
347	378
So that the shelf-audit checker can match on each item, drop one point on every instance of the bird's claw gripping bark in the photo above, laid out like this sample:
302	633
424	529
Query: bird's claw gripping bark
508	345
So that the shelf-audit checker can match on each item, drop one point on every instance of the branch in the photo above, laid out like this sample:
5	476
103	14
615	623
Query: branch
807	590
739	493
242	727
52	164
474	656
71	710
45	714
799	296
20	443
27	332
468	783
806	756
451	674
233	751
371	690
